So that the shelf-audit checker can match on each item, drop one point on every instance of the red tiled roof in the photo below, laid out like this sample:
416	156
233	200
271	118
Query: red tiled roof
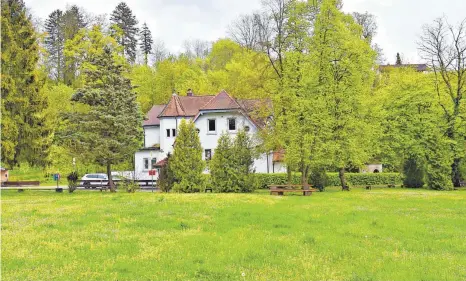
221	101
152	115
161	163
279	156
184	105
189	106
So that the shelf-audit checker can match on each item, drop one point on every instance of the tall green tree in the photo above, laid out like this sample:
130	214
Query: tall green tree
187	164
55	44
73	21
123	17
341	70
243	162
146	42
25	130
110	130
443	46
222	166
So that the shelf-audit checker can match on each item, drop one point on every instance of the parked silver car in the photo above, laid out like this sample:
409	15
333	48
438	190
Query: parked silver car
94	180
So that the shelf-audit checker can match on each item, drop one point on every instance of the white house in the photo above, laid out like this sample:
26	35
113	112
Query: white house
212	116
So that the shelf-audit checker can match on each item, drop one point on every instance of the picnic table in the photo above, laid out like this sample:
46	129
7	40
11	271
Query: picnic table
280	189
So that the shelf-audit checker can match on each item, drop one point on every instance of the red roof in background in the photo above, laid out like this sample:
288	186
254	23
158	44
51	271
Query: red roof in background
221	101
278	156
189	106
152	115
184	105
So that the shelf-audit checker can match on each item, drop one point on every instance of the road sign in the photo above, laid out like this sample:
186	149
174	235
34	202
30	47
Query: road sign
56	177
152	172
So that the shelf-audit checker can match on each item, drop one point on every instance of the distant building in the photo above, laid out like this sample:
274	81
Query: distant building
420	67
212	115
4	174
372	168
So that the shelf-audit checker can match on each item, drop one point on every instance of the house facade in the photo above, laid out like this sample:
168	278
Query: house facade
212	116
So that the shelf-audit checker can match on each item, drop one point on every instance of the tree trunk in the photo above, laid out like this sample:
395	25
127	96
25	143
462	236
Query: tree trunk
288	172
341	175
110	180
455	172
304	177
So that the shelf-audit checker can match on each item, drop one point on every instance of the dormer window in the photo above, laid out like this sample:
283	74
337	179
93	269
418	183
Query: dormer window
211	126
231	124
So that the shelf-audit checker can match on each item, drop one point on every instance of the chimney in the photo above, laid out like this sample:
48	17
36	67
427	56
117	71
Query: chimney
190	93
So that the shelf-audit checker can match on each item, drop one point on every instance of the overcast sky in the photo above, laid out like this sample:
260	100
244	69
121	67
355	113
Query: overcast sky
174	21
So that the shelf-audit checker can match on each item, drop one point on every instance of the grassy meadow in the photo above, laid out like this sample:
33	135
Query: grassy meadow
382	234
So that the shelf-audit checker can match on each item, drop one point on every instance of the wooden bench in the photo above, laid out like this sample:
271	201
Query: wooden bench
280	189
391	185
462	183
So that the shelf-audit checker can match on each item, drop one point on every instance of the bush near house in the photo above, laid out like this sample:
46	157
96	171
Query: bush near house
332	179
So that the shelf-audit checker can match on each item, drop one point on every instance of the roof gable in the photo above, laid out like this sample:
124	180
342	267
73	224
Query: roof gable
152	115
221	101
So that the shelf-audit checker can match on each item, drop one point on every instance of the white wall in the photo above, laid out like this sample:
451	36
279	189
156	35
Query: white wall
166	143
209	140
151	135
140	172
370	168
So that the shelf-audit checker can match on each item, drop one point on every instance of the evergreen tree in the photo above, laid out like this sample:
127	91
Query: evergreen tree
222	165
243	163
413	172
123	17
166	178
398	59
186	163
110	130
55	43
146	42
25	131
73	21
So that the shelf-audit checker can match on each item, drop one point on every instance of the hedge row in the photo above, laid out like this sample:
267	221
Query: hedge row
333	179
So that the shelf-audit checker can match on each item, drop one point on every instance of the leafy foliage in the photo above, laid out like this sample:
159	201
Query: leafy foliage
72	178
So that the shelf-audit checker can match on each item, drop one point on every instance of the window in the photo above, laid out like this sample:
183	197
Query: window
211	126
246	128
153	162
208	154
231	124
168	133
197	130
145	164
173	132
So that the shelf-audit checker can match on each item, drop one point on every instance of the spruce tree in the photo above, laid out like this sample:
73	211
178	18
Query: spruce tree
110	130
146	42
25	131
73	21
222	165
413	172
123	17
398	59
186	163
243	163
54	44
166	179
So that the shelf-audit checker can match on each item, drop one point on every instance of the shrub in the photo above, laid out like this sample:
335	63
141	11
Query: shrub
72	181
222	170
166	180
332	179
130	186
413	172
318	178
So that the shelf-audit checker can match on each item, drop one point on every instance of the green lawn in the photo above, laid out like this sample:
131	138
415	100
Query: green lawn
359	235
